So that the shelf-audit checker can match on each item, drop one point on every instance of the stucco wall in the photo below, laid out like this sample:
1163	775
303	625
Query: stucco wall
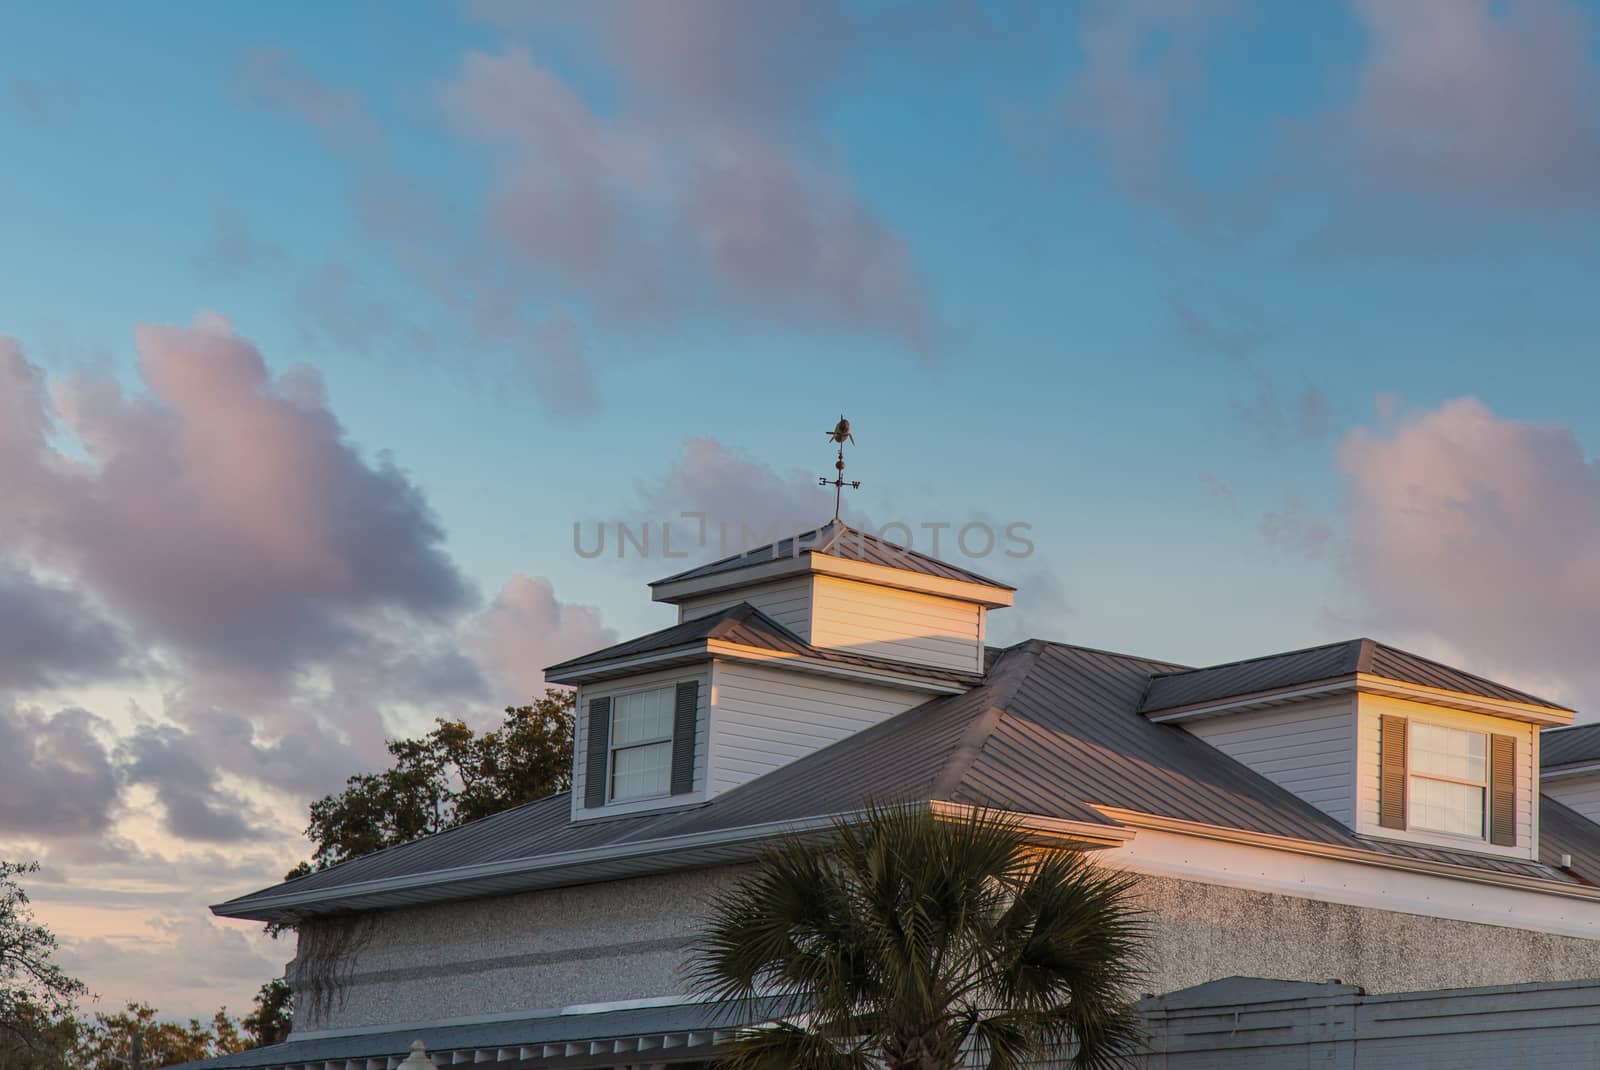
629	939
1202	932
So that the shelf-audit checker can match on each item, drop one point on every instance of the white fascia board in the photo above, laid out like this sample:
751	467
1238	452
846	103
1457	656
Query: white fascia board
743	576
1367	684
1290	845
1085	832
709	648
1564	772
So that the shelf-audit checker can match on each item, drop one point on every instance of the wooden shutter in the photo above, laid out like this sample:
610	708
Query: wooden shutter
1392	773
685	713
1503	790
594	777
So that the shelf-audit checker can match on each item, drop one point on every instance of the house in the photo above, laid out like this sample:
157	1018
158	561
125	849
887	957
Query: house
1348	811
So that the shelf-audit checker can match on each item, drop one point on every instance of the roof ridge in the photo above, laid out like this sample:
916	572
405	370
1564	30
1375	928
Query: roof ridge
980	730
1527	695
1261	657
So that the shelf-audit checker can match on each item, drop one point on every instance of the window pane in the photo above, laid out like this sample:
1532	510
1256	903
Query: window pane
1448	752
640	716
1440	806
640	772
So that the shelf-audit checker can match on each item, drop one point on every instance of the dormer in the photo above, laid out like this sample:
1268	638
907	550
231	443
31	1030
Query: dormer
841	589
1393	745
777	653
1570	767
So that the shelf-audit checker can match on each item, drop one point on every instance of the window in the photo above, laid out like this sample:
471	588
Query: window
641	744
1449	777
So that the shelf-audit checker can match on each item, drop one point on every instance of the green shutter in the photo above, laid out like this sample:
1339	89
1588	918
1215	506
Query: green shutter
1392	772
1503	790
684	715
594	783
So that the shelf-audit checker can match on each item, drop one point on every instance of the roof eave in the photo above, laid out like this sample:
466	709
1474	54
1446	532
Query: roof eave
677	852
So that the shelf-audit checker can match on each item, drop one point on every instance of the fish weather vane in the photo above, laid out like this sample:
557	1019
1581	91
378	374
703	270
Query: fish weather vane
840	434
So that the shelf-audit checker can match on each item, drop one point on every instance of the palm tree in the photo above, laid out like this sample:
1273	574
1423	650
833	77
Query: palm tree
910	940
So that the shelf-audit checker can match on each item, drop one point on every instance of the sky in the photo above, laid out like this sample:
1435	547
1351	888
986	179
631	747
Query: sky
333	339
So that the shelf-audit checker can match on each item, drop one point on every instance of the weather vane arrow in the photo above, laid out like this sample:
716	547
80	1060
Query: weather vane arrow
840	434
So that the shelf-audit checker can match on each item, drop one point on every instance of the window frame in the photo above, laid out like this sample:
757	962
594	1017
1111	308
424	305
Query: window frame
613	749
1484	786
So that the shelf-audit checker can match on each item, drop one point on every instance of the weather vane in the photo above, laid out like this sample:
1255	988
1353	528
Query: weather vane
840	434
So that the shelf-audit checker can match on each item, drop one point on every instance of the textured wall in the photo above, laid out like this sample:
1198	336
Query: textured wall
1203	932
536	951
628	940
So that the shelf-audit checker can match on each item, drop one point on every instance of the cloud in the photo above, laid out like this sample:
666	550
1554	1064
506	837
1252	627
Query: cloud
686	201
1482	533
51	635
183	776
735	501
527	628
274	77
1307	417
225	516
1143	66
56	778
232	250
1482	102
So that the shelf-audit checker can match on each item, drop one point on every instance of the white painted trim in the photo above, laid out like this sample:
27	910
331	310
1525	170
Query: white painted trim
1290	845
1562	772
642	1003
709	648
1367	684
1350	880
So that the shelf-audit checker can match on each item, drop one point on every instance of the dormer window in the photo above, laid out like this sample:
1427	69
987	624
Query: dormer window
641	744
1449	779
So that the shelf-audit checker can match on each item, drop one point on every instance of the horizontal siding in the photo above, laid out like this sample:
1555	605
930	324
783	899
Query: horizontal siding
764	718
1308	749
786	601
903	625
1373	707
1582	793
632	683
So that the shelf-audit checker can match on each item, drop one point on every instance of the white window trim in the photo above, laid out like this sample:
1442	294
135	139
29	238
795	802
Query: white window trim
612	748
1443	778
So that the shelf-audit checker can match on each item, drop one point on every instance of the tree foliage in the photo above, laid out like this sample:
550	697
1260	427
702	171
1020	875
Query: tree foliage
35	992
446	778
107	1043
273	1015
903	939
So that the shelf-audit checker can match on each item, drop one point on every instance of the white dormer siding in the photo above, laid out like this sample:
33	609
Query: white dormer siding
764	718
1308	748
882	622
1581	792
786	601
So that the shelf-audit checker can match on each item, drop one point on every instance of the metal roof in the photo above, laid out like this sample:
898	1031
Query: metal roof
1332	661
671	1033
746	625
1052	731
835	539
1576	745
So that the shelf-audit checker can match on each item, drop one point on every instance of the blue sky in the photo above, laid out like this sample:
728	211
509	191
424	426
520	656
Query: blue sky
1195	290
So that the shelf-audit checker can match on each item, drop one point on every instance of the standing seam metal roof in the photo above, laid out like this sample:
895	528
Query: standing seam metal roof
835	539
1053	730
1577	745
1173	690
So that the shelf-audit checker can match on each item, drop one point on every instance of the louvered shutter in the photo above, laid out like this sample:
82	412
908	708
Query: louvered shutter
1392	772
594	776
685	712
1503	790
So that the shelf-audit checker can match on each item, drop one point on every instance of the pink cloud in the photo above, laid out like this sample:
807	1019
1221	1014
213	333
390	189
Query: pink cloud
652	215
225	515
1480	533
527	628
1478	100
275	77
